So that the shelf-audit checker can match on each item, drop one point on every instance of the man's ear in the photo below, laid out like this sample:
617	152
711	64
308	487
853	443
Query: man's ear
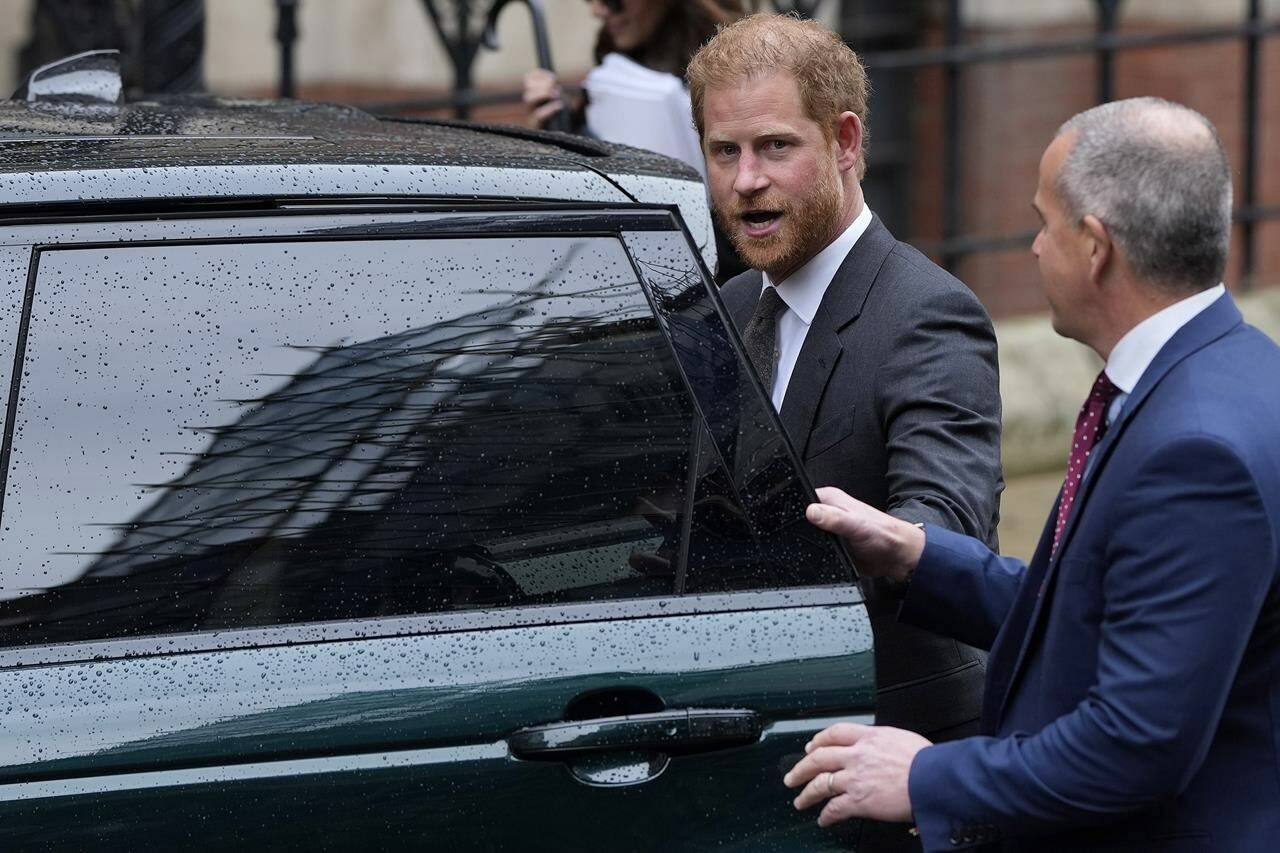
848	141
1100	246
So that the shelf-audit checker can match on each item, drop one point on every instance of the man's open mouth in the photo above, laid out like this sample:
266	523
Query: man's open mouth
759	223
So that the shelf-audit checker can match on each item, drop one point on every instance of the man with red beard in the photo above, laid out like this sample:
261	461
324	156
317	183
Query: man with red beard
881	365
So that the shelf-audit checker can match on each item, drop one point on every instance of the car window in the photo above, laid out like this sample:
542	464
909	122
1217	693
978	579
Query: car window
757	466
218	435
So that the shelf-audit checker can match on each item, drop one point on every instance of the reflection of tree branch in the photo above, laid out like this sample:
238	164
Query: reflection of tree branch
357	421
315	405
675	289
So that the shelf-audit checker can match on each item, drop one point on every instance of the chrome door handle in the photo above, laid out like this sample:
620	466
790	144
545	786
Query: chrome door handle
680	731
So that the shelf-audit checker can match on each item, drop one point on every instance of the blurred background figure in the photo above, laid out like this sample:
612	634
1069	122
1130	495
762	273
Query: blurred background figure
641	53
635	95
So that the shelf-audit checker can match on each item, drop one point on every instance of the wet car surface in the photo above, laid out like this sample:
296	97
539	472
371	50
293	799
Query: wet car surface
393	485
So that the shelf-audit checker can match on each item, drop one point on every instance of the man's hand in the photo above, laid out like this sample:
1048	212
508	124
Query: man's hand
882	546
860	771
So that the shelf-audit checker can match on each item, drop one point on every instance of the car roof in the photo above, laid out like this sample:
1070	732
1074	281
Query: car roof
206	131
192	150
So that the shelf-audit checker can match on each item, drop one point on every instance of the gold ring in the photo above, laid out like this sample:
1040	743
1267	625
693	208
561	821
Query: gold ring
831	784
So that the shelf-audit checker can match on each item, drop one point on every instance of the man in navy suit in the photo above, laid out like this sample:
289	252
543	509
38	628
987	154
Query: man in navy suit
1133	686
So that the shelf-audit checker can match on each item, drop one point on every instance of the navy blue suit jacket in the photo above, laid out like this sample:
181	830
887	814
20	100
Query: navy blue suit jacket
1133	686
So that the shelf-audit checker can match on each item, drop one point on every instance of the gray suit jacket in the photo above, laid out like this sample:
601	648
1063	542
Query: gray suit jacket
895	399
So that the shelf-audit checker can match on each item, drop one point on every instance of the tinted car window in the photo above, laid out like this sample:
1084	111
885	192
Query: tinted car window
234	435
765	541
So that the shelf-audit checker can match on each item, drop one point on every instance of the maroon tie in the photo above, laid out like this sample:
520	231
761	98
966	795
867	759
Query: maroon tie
1090	425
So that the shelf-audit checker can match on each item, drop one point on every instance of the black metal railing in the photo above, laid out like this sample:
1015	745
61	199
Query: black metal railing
464	27
1105	45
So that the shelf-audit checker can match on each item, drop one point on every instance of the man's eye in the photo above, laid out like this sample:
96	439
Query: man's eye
728	150
776	144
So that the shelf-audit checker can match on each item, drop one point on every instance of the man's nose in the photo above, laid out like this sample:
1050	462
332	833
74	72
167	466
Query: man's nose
750	178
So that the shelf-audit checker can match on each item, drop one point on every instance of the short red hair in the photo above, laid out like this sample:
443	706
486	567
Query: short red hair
828	73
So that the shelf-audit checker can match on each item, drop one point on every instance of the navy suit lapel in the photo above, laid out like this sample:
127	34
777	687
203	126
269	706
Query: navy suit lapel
822	348
1207	326
1011	644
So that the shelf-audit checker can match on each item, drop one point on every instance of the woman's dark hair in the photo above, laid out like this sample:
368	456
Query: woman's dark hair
687	26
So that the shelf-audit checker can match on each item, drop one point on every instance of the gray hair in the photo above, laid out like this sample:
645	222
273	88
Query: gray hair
1154	172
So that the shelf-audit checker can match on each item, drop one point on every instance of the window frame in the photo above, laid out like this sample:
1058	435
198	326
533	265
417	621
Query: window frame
336	222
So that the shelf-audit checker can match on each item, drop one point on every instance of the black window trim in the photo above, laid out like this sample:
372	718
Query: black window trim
113	211
15	380
735	341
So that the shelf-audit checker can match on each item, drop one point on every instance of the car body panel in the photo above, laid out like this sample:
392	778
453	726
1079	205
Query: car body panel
242	706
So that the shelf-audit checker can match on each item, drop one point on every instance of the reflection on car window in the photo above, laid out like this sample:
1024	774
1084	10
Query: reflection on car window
219	436
231	435
764	539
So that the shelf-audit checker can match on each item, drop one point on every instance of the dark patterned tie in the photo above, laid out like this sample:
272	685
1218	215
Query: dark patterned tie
1090	425
761	335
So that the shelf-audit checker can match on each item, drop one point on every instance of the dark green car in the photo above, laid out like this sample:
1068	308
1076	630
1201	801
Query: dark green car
375	485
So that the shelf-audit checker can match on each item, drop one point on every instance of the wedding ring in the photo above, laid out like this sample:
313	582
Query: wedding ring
831	784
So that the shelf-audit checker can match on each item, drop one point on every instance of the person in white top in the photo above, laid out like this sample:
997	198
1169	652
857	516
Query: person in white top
635	95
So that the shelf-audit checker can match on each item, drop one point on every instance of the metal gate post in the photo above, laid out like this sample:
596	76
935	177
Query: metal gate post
286	37
951	212
1249	178
1108	17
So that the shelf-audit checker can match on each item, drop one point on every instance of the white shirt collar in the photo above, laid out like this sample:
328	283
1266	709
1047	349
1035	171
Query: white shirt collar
1134	352
803	289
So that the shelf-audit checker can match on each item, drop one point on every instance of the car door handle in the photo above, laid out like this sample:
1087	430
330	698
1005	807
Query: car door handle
680	731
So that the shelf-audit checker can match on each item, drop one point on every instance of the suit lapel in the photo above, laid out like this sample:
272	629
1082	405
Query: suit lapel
741	300
1037	589
822	348
1006	654
1207	326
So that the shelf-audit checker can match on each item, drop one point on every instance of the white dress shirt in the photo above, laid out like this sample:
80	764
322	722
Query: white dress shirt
803	291
1134	352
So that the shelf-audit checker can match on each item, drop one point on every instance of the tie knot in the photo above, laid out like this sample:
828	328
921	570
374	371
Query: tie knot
1104	390
771	304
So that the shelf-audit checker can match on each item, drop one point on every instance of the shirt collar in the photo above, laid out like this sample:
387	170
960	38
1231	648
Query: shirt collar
1134	352
803	290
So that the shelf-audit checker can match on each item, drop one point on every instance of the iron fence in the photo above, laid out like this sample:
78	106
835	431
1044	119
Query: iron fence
1105	44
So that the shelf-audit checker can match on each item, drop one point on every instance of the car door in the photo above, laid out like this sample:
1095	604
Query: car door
338	531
